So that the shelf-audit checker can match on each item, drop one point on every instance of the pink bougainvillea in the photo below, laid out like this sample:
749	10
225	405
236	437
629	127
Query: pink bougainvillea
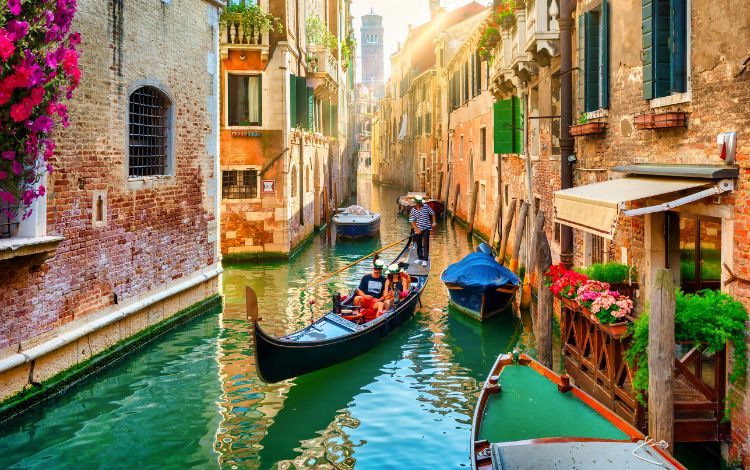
39	71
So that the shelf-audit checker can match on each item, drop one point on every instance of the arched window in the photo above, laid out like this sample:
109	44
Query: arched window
294	182
149	132
308	178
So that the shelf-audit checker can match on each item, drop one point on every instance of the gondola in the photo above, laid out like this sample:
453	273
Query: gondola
333	338
479	286
406	202
356	222
534	418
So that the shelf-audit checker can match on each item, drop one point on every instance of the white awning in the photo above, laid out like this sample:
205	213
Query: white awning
595	208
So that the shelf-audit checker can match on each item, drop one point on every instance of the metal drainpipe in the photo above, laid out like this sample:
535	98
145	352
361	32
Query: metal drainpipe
566	115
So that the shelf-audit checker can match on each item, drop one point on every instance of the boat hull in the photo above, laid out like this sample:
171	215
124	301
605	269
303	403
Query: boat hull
358	230
482	305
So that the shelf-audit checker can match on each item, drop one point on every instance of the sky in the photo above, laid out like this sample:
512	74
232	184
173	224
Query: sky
397	15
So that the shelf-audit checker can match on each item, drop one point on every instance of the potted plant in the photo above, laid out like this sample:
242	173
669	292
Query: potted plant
586	127
505	15
249	23
607	308
661	120
564	284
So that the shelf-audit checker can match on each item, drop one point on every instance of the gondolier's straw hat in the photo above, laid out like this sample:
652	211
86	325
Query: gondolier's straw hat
394	269
378	264
418	199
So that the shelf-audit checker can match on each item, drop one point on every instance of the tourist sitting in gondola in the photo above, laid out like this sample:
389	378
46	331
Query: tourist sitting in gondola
371	292
397	286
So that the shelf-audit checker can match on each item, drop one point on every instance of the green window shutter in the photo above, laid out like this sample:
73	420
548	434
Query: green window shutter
310	109
648	49
581	67
326	118
335	120
292	101
503	125
517	126
604	57
302	102
662	50
679	45
591	27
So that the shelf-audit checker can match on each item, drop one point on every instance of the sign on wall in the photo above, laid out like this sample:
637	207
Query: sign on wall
269	186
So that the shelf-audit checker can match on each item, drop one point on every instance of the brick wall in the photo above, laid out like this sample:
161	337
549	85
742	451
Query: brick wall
157	231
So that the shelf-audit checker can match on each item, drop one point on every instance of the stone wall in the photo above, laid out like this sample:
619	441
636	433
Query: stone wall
156	230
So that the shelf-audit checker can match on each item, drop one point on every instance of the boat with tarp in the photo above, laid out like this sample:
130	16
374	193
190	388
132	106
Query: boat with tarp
528	417
356	222
341	334
480	286
406	202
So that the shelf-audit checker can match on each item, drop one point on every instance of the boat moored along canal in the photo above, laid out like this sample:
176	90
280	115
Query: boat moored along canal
356	222
335	337
536	419
479	286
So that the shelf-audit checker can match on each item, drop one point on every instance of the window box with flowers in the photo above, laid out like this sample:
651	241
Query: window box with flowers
585	127
40	71
647	121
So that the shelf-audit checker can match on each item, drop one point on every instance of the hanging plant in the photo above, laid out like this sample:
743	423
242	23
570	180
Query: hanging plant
347	48
318	35
505	14
486	45
709	320
252	19
39	72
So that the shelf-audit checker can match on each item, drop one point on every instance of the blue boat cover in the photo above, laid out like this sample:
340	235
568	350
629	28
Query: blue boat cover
479	270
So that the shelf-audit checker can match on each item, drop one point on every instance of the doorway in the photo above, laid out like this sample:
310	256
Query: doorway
694	251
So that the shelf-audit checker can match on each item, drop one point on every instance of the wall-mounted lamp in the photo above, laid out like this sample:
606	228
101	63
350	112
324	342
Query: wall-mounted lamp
242	56
572	159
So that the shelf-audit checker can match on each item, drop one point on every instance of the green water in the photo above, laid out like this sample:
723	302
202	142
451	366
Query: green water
192	398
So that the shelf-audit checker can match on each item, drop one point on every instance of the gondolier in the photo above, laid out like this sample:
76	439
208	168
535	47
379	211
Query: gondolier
422	219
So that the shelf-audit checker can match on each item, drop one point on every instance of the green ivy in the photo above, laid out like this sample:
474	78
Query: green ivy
318	35
611	273
709	319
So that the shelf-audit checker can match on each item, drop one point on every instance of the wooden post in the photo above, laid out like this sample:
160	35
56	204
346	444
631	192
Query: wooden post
661	359
530	276
473	207
545	302
455	205
496	222
440	186
520	226
506	231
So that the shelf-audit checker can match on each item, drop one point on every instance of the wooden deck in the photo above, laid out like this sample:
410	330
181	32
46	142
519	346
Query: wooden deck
595	360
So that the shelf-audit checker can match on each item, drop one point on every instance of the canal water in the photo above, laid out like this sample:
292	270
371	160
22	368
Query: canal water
192	398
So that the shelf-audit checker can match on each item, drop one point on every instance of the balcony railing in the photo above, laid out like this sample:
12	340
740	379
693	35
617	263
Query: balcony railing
234	35
542	27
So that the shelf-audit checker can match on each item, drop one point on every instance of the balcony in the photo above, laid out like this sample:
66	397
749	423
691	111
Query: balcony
234	35
322	71
542	29
513	64
521	63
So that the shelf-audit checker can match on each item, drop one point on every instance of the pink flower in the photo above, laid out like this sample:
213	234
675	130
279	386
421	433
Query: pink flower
3	175
21	111
43	124
9	155
15	7
7	197
75	39
17	30
16	167
7	47
41	191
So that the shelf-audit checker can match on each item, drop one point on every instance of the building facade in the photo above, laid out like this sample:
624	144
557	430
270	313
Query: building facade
126	236
286	156
371	38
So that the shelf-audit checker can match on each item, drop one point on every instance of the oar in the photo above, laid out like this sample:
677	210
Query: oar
374	253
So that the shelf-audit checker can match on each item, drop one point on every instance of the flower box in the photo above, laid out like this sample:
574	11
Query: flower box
661	120
615	330
590	128
570	303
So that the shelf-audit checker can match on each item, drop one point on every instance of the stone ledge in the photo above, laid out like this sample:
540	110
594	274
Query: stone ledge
39	248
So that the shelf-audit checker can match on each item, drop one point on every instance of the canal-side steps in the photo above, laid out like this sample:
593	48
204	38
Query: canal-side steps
595	359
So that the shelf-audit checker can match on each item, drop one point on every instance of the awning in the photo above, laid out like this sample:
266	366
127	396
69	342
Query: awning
595	208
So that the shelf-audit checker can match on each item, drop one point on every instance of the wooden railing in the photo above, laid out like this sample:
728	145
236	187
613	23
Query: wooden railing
595	359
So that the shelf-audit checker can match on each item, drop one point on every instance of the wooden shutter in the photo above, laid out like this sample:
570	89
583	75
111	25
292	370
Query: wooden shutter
503	125
648	48
591	27
292	101
302	101
310	109
581	95
466	81
326	118
335	120
517	124
662	53
604	57
678	42
478	77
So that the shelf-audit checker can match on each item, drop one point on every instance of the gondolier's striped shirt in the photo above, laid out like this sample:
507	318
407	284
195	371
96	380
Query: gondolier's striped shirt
422	218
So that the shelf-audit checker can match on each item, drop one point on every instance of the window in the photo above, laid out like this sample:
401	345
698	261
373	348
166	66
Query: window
477	73
665	43
593	58
534	124
694	250
239	184
506	197
482	194
244	96
483	144
149	124
594	249
508	124
466	82
461	149
556	111
428	123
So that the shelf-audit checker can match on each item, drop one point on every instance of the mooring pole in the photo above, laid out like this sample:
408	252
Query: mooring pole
661	359
520	228
545	302
506	231
473	208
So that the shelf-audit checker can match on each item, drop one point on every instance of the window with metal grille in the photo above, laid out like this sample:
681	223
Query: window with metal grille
8	220
239	184
149	132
